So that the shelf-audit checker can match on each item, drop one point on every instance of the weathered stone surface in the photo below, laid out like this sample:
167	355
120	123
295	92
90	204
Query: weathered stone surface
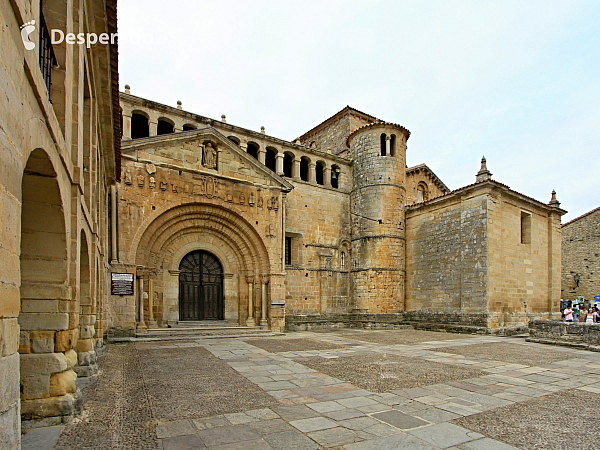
41	321
35	386
65	340
48	407
9	381
71	356
63	383
9	336
42	341
43	363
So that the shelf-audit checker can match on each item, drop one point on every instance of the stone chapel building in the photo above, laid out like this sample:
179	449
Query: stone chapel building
218	222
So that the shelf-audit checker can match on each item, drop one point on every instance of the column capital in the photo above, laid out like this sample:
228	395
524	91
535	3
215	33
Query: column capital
264	279
250	279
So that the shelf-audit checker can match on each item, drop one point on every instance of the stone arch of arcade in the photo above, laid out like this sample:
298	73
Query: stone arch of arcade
165	240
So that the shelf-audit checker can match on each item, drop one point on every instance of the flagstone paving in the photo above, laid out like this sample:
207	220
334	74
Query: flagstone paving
232	394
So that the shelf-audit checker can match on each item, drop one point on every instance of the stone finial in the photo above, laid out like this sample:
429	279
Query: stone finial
127	89
484	174
223	118
179	104
262	130
553	201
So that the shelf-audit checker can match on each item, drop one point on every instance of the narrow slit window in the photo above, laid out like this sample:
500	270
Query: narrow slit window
525	228
288	251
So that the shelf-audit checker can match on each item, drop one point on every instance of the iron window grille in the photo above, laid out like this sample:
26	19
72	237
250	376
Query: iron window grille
47	57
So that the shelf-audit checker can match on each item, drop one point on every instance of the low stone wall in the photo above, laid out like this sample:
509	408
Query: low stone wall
420	320
560	332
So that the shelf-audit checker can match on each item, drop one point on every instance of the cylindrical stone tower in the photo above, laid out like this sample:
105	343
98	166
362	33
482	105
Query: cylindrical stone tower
377	212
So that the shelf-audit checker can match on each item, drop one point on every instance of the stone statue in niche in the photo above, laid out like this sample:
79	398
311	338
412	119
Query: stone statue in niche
242	198
209	159
260	201
152	182
275	203
140	180
163	185
229	197
251	199
128	177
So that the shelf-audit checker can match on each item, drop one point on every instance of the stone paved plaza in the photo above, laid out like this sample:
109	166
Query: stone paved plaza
344	389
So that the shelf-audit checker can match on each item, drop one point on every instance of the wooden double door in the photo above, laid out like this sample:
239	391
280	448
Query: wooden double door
201	287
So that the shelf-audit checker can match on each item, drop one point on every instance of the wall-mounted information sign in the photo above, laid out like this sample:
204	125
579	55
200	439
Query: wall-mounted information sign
121	283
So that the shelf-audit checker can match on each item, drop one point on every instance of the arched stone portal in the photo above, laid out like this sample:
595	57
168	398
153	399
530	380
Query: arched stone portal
162	244
200	287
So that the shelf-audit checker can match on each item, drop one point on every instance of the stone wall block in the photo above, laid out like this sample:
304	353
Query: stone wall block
9	388
86	358
10	299
71	356
35	386
42	341
39	321
24	342
9	336
84	345
48	407
65	340
63	383
43	363
86	331
10	424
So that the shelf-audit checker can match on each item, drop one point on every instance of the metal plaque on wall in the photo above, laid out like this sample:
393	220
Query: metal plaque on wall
121	283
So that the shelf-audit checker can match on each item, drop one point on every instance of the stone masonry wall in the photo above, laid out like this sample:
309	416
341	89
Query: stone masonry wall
521	273
317	220
581	256
447	255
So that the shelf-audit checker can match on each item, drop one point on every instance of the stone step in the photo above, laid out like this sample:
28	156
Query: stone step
204	332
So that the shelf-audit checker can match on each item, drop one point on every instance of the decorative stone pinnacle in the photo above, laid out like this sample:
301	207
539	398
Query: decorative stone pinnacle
127	89
262	130
484	174
553	201
223	118
178	104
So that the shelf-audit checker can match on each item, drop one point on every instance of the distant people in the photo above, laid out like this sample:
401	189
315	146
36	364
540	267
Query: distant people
568	312
583	313
595	315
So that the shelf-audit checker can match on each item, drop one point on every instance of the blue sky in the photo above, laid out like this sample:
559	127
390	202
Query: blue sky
518	82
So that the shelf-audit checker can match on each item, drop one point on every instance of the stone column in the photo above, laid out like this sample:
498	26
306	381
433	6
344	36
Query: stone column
113	224
141	325
262	155
153	127
312	172
327	176
279	163
296	169
250	321
151	321
263	308
126	126
244	146
387	145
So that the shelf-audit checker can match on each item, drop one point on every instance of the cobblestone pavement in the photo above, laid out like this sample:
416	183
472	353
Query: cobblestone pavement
231	394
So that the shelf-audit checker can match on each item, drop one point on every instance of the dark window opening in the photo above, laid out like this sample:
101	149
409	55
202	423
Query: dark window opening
525	228
288	163
253	150
382	139
393	145
271	159
304	169
288	251
164	127
139	126
233	139
188	127
319	173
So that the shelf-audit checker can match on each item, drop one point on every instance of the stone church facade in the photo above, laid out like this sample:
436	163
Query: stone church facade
332	229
